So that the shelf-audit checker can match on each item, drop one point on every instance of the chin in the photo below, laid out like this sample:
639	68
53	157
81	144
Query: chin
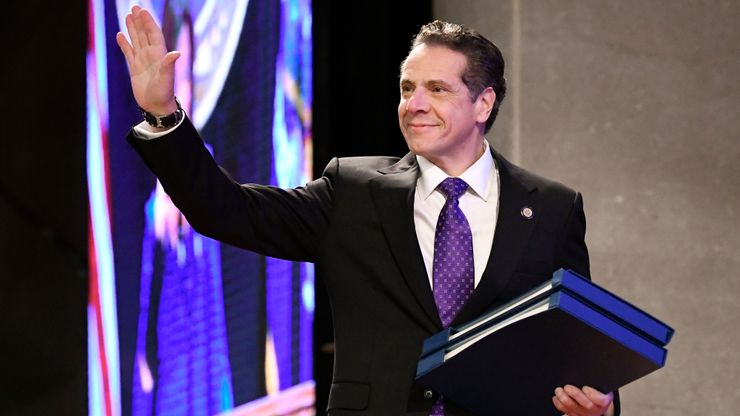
416	146
421	150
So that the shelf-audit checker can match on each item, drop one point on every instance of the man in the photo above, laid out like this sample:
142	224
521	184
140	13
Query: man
401	243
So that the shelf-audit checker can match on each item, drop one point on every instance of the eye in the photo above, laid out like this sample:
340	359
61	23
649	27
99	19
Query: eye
406	89
438	89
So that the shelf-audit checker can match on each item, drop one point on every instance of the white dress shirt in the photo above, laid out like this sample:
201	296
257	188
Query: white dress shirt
141	132
479	204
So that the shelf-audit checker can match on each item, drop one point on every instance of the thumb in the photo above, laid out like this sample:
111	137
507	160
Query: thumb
169	60
602	399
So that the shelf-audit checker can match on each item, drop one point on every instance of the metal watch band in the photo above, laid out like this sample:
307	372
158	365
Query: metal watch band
164	122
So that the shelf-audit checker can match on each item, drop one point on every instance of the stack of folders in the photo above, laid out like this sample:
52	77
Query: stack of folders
566	331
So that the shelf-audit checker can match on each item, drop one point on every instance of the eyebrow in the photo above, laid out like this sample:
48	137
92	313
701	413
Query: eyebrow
430	82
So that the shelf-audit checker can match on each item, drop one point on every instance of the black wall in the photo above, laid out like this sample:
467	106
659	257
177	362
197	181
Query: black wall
43	217
358	49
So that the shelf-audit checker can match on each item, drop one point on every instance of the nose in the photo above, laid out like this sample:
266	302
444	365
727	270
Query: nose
417	101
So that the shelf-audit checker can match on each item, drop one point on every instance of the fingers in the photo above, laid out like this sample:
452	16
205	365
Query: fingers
559	405
142	29
144	33
140	19
577	394
576	402
132	32
567	403
128	52
598	397
152	34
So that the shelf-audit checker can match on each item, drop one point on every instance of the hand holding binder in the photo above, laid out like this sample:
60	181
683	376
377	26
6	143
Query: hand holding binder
586	402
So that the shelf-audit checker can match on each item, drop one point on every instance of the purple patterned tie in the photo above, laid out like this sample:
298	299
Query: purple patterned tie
453	273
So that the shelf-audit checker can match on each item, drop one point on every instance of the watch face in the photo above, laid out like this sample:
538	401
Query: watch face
206	32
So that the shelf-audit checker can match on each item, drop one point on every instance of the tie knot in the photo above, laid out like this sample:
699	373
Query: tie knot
453	187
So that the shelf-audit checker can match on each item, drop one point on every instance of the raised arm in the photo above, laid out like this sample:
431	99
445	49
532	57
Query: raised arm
151	67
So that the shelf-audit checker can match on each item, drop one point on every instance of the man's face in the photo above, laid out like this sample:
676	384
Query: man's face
436	114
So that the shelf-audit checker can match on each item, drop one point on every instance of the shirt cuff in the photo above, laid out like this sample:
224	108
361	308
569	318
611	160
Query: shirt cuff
141	132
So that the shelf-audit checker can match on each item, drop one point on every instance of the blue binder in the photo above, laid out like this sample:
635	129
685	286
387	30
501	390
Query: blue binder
591	293
566	331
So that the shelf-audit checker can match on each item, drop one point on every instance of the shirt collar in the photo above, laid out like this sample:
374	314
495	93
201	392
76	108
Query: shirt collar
477	176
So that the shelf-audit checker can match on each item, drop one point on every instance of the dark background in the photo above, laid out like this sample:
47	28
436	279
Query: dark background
358	47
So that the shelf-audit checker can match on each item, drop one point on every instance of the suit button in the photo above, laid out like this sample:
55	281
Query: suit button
428	394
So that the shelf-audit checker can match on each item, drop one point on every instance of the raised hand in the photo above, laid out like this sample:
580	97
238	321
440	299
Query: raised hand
151	67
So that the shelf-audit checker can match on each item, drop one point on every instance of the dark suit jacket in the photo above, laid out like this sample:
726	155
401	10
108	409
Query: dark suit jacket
356	223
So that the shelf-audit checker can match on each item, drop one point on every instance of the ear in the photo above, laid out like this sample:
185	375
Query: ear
484	104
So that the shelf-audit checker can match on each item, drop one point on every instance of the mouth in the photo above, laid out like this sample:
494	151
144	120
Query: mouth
419	127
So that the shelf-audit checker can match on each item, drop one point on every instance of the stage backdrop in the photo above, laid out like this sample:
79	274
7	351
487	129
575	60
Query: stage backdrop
180	324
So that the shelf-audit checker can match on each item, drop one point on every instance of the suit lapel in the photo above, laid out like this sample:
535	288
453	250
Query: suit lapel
510	239
393	193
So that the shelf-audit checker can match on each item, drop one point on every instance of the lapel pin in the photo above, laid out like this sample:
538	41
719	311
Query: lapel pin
527	213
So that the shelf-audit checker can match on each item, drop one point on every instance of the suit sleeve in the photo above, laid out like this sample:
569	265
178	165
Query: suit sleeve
573	253
283	223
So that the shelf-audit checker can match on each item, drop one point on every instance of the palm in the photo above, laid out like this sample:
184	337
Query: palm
151	67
